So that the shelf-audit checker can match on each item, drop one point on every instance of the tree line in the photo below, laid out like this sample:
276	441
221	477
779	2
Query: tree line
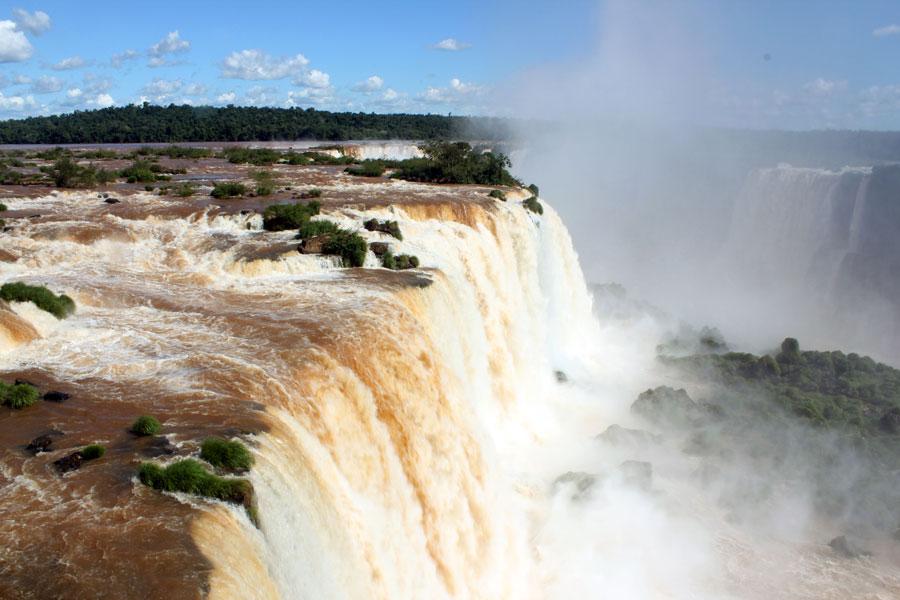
149	123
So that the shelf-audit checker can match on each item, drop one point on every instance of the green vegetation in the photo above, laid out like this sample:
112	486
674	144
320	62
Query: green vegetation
533	205
18	395
174	152
145	425
295	158
280	217
226	454
93	452
388	227
228	190
369	168
185	190
399	262
534	190
140	171
312	193
314	228
826	388
265	182
456	162
498	194
253	156
350	246
3	207
147	123
59	306
191	477
66	173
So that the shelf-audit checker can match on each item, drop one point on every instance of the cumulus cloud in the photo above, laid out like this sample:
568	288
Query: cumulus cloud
455	92
67	64
46	85
371	84
161	51
261	96
313	79
14	46
102	101
451	45
34	23
824	87
226	98
21	79
121	58
887	30
195	89
161	89
256	65
16	103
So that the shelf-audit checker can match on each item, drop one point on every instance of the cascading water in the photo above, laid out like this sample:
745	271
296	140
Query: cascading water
408	428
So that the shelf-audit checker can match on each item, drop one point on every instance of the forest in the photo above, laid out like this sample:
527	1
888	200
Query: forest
149	123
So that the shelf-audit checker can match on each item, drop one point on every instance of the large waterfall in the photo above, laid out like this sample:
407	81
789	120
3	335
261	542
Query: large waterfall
427	434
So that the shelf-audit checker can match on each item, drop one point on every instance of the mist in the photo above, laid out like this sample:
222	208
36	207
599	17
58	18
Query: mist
704	224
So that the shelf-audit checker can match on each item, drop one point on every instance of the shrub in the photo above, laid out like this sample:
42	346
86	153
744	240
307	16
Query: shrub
265	182
185	190
388	227
226	454
3	207
145	425
59	306
314	228
534	190
294	158
351	247
498	194
279	217
191	477
367	169
140	171
228	190
399	262
533	205
18	395
456	162
319	158
64	172
253	156
92	452
387	260
313	193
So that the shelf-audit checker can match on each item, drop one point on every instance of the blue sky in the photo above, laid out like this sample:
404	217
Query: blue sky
759	64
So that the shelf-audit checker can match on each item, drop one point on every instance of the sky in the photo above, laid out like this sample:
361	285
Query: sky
760	64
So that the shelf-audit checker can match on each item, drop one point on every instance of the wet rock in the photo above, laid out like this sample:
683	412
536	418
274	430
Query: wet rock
246	211
34	216
25	382
379	248
159	446
666	406
40	444
890	421
637	473
847	548
68	463
561	376
579	481
112	200
314	245
622	436
56	396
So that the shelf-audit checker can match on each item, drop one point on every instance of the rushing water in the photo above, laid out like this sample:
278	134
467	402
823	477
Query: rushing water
408	428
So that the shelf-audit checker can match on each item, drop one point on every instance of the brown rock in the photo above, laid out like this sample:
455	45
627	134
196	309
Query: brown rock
68	463
379	248
314	245
40	444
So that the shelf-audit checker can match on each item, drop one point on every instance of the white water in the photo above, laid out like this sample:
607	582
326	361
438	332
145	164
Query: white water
412	450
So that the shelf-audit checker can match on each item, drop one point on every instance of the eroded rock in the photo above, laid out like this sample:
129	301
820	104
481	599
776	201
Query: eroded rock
40	444
72	462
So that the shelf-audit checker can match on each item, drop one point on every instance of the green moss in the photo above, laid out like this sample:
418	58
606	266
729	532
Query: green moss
145	425
279	217
226	454
59	306
189	476
19	395
92	452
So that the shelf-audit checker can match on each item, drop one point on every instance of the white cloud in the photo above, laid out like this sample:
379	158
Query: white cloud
226	98
34	23
456	92
16	103
195	89
824	87
94	84
451	45
21	79
120	58
171	44
309	96
74	93
46	85
371	84
313	78
261	96
14	46
887	30
67	64
256	65
102	101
